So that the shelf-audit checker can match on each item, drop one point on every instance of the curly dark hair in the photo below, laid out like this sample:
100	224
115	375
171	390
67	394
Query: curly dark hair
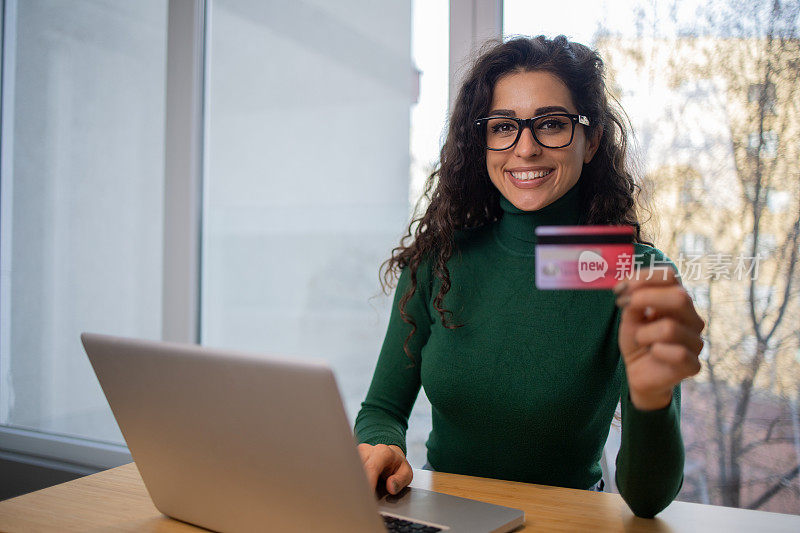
459	190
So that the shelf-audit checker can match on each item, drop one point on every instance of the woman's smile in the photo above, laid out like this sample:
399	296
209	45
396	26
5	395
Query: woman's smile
529	178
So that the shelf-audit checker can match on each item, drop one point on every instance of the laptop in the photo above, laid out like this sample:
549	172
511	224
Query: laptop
232	441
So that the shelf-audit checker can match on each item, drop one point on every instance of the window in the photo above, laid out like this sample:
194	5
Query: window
430	55
691	191
759	92
299	212
82	195
747	348
688	76
304	200
763	297
767	243
429	49
701	296
694	244
765	145
778	201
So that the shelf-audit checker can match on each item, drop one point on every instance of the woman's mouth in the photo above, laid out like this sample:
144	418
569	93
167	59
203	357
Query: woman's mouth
529	178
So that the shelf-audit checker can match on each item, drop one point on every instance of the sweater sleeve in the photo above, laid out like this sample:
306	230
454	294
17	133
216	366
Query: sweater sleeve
651	455
383	418
650	460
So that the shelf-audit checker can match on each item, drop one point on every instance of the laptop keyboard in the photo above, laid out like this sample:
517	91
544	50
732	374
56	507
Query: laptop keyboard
398	525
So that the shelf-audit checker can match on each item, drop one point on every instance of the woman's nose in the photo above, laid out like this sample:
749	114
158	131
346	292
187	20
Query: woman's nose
526	145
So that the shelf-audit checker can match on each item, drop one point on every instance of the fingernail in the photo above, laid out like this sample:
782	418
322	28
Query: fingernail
620	287
622	301
394	487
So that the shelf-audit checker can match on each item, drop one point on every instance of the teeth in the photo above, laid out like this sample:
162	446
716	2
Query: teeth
530	175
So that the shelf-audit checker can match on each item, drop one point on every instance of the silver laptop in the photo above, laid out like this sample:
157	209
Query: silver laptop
239	442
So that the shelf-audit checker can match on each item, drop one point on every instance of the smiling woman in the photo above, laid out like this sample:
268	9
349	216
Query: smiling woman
538	164
524	382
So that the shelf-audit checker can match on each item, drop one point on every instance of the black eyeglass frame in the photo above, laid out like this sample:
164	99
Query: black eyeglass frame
523	123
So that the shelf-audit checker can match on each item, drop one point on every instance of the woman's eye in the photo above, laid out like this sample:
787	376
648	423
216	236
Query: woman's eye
500	128
552	124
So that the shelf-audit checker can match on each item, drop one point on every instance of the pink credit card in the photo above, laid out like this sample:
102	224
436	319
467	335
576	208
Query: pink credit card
583	257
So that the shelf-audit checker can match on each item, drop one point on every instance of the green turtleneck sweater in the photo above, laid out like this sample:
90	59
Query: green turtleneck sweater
526	389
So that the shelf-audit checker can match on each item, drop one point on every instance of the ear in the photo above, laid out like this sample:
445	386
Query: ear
592	144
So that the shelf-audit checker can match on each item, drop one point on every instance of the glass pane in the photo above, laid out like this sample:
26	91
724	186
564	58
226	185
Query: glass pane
710	88
307	185
82	203
430	50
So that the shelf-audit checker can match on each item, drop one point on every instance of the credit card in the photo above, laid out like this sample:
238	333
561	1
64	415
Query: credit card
583	257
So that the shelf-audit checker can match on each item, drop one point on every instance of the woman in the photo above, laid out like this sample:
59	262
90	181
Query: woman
524	383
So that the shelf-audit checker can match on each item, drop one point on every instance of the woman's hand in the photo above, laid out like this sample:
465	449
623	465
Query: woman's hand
386	462
659	336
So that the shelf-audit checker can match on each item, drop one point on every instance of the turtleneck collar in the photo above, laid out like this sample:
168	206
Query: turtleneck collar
516	229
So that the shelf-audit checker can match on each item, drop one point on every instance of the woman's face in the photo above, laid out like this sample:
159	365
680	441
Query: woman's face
553	170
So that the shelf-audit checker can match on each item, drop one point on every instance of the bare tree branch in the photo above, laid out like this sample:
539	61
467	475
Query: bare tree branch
789	277
782	483
758	443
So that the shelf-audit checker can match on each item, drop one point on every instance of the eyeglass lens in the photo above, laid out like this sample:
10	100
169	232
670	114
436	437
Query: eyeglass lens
551	132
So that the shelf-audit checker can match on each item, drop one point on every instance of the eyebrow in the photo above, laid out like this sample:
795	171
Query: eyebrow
539	111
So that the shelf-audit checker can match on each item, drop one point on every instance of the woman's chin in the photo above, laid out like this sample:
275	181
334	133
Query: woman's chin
529	202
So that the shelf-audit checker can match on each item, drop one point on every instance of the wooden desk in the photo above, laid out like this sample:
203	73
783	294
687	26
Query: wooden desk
116	500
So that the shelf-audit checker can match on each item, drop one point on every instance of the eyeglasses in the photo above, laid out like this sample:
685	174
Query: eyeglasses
553	130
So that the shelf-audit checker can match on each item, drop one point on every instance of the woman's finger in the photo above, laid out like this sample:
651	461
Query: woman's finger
373	468
400	479
668	331
370	469
659	368
677	356
380	461
649	303
364	450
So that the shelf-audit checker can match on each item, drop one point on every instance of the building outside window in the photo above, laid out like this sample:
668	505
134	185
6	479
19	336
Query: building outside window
763	94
